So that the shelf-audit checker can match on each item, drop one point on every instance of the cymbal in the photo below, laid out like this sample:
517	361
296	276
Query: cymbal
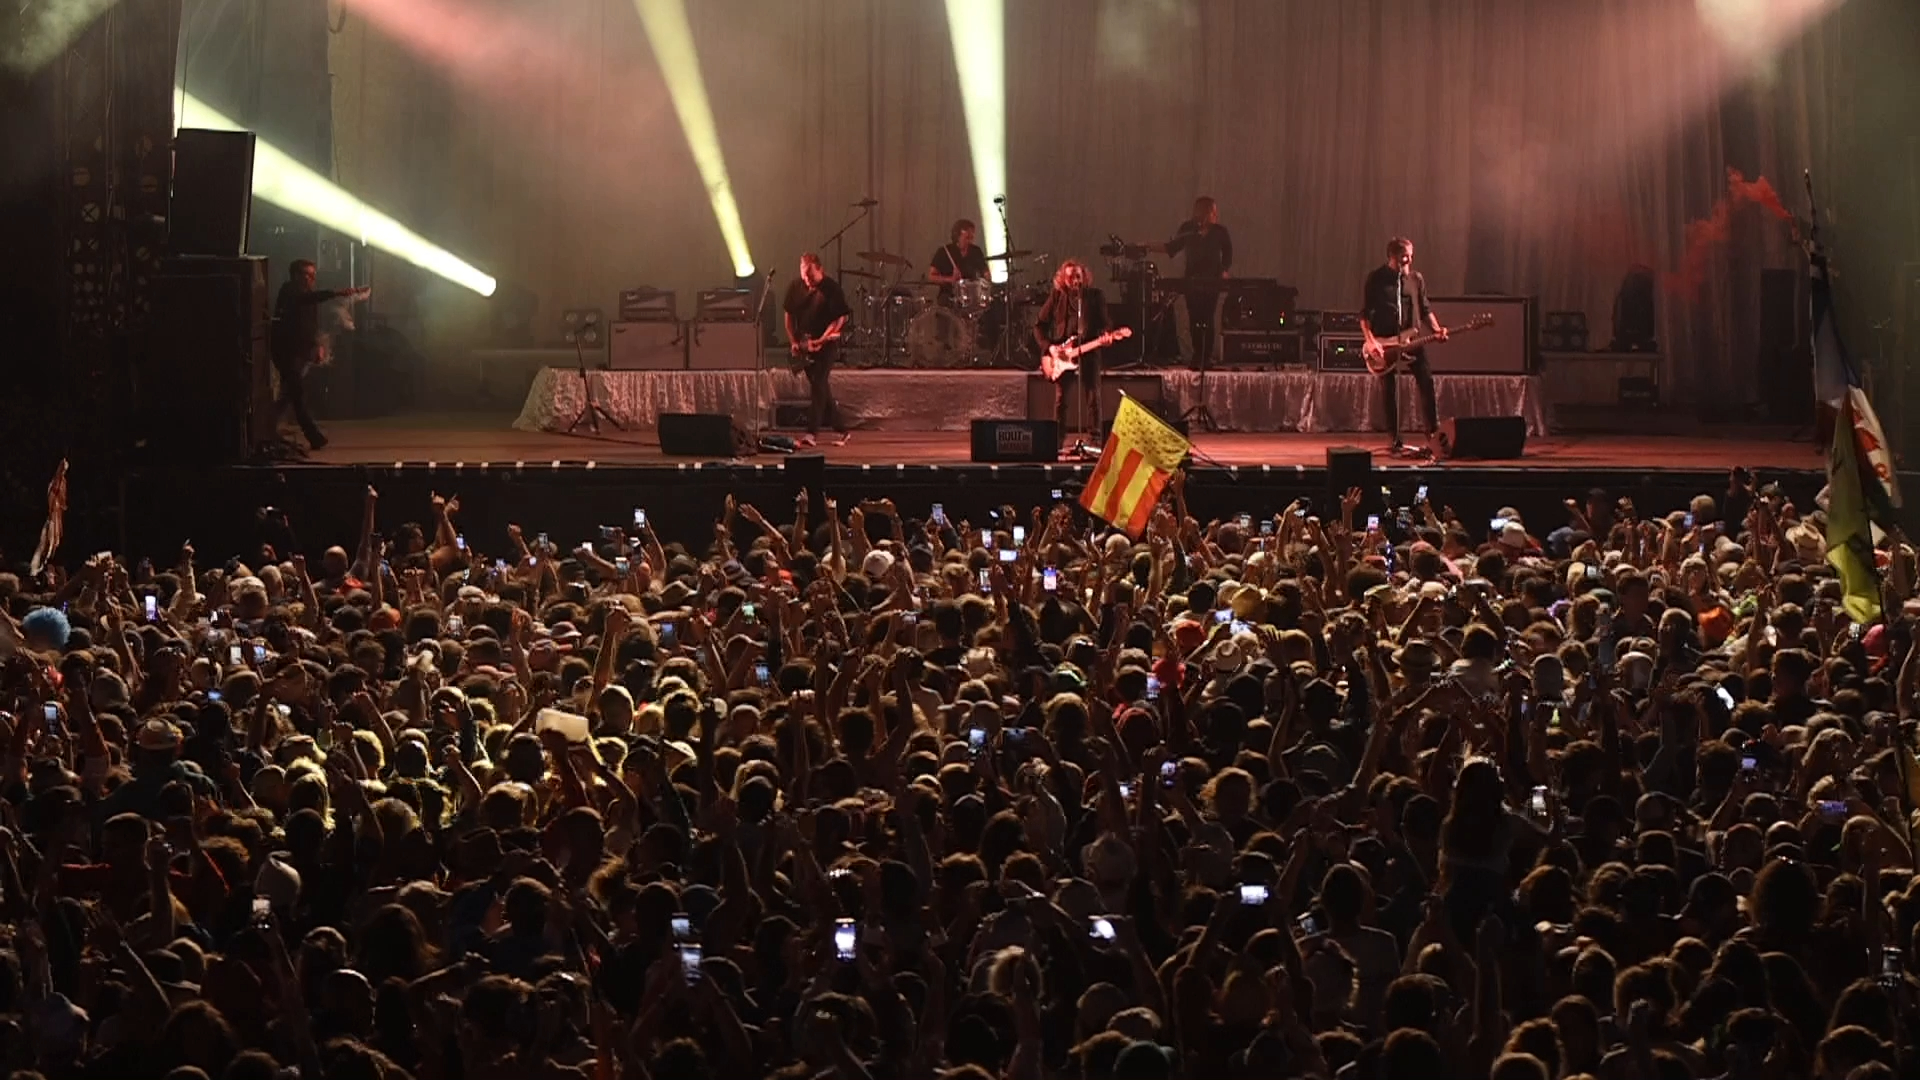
1016	253
884	258
860	273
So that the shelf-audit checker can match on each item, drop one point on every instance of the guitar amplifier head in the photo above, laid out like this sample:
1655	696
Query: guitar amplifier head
1341	352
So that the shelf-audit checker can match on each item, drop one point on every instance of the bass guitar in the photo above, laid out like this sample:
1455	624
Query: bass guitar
1065	356
1397	347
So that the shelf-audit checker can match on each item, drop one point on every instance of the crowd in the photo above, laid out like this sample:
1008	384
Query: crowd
877	796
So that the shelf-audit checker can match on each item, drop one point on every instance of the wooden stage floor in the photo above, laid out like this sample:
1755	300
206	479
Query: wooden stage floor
473	440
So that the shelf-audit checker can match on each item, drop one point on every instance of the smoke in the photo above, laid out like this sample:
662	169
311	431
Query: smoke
1706	236
38	30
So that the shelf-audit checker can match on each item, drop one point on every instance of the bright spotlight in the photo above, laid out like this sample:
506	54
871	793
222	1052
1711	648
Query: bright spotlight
672	38
286	183
36	33
978	31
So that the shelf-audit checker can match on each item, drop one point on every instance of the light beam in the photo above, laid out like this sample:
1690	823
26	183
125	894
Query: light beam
672	40
286	183
978	32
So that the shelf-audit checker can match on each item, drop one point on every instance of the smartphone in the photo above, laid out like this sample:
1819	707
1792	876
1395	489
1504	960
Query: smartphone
259	654
1725	698
1309	926
1169	771
1153	688
1593	573
1890	965
262	911
986	581
1373	522
52	714
1420	495
213	695
1688	520
1773	636
1019	534
746	610
1749	763
1244	521
1253	895
456	625
690	962
1008	555
639	518
1050	579
1266	527
1833	809
940	513
1057	495
540	542
986	537
285	711
620	565
1538	802
233	656
1241	626
1100	928
460	542
682	928
844	939
977	741
153	608
1126	789
1499	523
669	638
1223	615
761	676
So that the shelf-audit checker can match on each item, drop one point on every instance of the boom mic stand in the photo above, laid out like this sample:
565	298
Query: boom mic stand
838	239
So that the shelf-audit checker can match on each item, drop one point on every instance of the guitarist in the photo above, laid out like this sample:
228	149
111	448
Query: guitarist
1074	312
816	314
1396	300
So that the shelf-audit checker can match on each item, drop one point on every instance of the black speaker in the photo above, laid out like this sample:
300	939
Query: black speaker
212	192
1486	437
203	382
697	434
1349	467
1001	441
1785	367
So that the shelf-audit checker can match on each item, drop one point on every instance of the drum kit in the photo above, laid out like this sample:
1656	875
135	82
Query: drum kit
973	323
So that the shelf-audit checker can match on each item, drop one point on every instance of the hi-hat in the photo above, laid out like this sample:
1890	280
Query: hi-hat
884	258
1016	253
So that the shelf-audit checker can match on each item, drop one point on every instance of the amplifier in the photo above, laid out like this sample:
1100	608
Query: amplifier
647	346
1016	440
1341	352
1261	348
647	304
1340	322
1257	304
723	305
723	346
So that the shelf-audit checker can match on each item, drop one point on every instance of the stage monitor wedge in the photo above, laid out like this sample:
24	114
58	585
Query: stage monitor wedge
1488	438
697	435
1004	441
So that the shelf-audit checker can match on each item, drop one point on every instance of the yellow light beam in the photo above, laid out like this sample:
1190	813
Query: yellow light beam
286	183
978	31
672	40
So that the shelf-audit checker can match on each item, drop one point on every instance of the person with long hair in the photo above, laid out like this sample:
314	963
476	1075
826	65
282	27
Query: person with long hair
1075	312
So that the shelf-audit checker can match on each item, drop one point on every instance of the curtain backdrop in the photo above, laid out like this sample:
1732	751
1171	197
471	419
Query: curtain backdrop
1528	146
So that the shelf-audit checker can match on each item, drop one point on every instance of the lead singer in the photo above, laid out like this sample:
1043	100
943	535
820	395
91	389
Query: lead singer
1074	311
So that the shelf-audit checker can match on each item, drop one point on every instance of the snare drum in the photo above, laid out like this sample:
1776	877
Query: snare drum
973	295
940	338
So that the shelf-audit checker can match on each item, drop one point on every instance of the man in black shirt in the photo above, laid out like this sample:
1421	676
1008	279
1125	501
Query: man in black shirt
1075	311
816	314
296	340
958	260
1396	300
1209	252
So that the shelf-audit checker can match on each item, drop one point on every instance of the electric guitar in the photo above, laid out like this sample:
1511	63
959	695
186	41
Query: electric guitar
1398	346
1065	356
807	352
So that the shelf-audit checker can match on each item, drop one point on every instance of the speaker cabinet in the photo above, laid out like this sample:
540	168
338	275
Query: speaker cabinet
212	192
1349	467
723	346
647	346
1145	389
697	435
1505	348
1002	441
204	383
1483	437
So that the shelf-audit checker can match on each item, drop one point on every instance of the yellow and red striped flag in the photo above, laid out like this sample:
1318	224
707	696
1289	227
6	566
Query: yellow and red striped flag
1141	453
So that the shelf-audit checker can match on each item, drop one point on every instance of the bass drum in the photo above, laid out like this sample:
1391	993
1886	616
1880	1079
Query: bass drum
939	338
972	295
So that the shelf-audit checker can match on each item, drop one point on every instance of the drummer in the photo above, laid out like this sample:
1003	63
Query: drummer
958	260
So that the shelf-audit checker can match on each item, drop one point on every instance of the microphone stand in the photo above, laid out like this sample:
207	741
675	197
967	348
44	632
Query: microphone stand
838	240
591	412
1005	351
761	379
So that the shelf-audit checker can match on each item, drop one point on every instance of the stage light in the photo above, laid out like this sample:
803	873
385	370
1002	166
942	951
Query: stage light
977	29
36	33
672	40
286	183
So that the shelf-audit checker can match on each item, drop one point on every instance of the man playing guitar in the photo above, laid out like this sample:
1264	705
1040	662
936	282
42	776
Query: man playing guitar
1075	312
1396	301
816	314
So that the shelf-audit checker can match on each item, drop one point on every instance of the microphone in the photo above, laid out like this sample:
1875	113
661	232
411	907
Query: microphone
999	200
770	272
